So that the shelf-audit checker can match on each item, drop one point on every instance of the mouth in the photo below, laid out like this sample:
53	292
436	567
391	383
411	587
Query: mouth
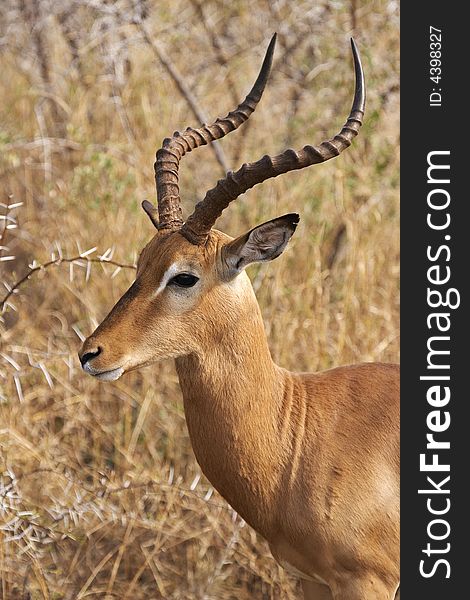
110	375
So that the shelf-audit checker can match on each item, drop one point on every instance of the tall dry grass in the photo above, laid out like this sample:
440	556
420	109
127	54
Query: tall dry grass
100	494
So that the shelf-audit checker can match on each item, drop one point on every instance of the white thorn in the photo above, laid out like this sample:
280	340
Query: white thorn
195	482
19	391
87	252
42	366
12	362
79	333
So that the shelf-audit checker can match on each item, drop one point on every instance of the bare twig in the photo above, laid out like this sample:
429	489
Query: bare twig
223	62
184	90
353	12
112	56
217	47
33	14
69	32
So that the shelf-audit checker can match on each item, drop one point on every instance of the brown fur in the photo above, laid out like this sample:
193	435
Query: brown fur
311	461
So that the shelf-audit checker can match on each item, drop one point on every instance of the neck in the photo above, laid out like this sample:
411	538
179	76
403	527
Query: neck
232	398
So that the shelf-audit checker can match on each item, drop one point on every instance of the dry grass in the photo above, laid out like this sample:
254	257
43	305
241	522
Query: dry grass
100	494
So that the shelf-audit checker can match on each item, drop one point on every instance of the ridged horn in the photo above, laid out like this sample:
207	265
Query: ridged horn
173	149
206	212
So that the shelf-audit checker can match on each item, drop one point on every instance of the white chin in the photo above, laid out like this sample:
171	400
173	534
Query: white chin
110	375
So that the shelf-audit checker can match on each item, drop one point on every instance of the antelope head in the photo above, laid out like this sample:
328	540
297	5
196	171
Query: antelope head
190	284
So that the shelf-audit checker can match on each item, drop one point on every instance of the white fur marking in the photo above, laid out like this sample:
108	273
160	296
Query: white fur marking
167	275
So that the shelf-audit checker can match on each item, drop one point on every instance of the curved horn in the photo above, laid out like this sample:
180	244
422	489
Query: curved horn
174	148
236	183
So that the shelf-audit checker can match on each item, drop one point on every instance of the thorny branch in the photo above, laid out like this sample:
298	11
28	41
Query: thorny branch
7	222
56	262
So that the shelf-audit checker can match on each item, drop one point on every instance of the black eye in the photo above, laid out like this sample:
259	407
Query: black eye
185	280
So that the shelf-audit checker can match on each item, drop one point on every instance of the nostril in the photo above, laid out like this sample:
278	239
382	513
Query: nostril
89	355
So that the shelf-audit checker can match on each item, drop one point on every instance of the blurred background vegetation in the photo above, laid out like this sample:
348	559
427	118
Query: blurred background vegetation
100	494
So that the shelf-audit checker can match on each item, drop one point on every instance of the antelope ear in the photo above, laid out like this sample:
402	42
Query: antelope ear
263	243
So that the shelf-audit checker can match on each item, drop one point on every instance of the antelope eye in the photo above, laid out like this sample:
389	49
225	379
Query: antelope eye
185	280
